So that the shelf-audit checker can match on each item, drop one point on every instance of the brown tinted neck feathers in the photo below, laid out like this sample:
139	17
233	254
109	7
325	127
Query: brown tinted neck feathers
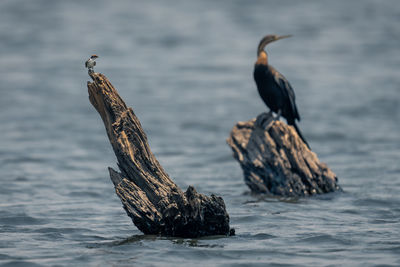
262	58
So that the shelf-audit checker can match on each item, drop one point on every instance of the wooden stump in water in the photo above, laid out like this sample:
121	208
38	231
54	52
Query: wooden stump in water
276	161
154	202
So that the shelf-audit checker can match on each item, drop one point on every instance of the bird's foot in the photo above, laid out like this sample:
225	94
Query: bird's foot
265	120
278	115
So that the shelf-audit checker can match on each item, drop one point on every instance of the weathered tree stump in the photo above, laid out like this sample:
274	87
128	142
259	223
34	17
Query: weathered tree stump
276	161
154	202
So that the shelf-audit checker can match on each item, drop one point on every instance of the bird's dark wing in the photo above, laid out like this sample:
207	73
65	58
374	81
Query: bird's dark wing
94	63
86	62
288	92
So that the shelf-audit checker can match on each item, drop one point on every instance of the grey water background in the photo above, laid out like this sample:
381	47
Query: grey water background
186	69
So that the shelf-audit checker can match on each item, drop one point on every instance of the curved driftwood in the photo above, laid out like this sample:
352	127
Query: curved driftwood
153	201
276	161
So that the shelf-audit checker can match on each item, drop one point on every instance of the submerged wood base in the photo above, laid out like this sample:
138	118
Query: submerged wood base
276	161
153	201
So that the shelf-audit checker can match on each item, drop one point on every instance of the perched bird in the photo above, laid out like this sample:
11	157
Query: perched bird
90	63
274	89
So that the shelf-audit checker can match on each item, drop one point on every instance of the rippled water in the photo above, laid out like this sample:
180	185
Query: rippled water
186	69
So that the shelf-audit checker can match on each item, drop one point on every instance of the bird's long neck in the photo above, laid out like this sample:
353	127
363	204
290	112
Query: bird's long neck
262	58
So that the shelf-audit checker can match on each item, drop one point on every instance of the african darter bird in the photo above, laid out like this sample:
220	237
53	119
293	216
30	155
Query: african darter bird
274	89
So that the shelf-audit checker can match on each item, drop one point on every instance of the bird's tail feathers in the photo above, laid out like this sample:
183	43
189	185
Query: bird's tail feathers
300	134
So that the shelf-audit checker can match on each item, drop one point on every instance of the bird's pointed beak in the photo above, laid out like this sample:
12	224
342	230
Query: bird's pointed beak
283	37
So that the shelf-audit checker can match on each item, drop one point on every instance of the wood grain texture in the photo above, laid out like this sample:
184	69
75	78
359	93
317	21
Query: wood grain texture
154	202
276	161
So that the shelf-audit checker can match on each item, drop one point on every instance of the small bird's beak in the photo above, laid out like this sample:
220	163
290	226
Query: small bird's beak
283	37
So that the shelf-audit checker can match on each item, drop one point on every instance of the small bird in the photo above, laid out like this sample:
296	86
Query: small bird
274	89
90	63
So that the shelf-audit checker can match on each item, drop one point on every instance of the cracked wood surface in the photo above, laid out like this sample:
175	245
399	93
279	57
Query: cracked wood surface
154	202
277	162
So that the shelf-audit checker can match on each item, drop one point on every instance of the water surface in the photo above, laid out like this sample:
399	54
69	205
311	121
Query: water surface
186	69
